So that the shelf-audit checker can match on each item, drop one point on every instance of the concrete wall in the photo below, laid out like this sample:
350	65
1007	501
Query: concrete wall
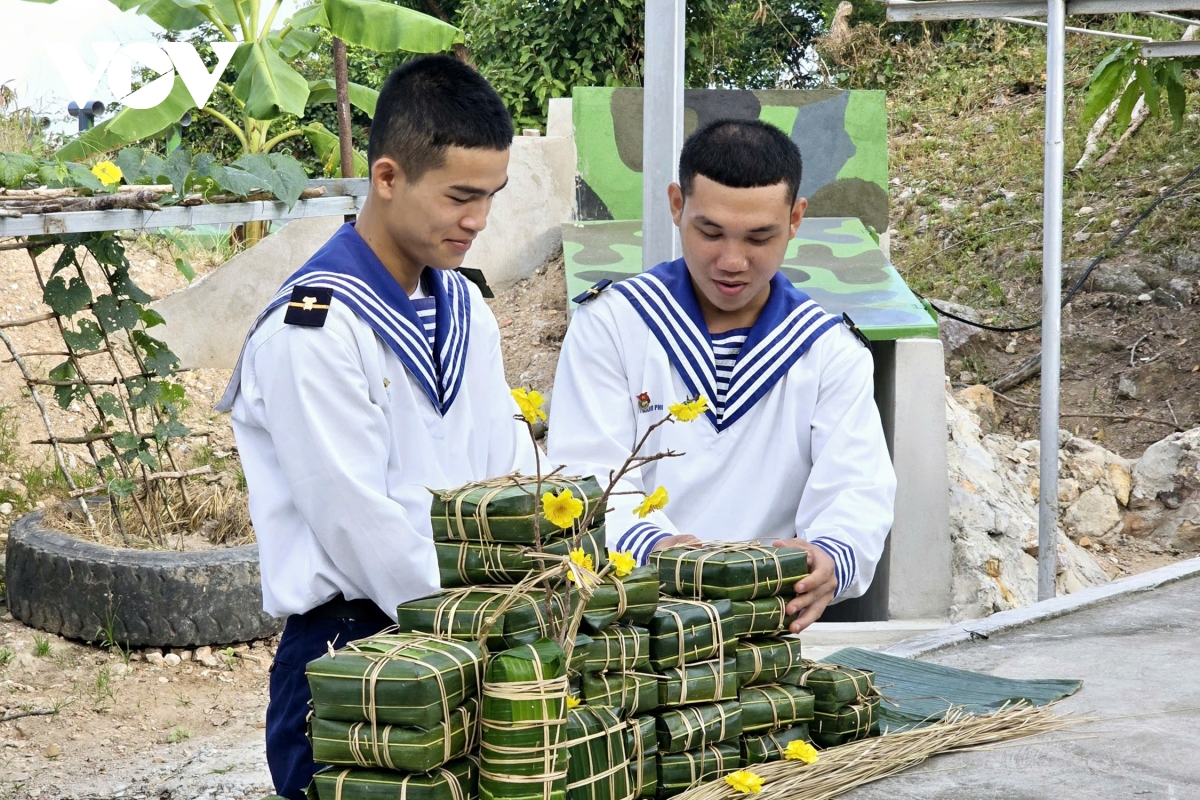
524	225
207	320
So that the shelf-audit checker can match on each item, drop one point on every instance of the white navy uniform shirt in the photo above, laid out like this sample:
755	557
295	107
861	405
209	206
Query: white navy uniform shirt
344	427
792	445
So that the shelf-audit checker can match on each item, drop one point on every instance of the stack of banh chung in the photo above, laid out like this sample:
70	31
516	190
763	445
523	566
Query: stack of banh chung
846	704
747	586
395	716
531	747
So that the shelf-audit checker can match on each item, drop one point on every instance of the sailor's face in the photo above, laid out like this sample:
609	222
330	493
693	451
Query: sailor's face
734	241
436	219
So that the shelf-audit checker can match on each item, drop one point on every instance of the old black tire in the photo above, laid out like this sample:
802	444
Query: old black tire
79	589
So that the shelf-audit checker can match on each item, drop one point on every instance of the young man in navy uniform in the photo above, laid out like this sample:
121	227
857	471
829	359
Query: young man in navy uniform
373	376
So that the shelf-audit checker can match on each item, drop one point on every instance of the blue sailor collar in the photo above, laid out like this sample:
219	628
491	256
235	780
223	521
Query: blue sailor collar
347	265
787	327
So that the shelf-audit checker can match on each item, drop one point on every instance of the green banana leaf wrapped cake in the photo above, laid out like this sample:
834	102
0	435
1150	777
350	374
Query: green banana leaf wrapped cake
690	727
414	680
522	724
455	781
621	648
768	747
641	742
680	771
765	708
834	686
628	693
597	761
502	510
847	724
470	563
766	616
700	682
729	570
363	744
687	631
461	614
631	599
767	660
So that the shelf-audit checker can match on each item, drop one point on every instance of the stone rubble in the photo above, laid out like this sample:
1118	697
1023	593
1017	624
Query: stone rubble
1102	496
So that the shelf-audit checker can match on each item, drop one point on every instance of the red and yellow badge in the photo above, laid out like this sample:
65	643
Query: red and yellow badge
643	401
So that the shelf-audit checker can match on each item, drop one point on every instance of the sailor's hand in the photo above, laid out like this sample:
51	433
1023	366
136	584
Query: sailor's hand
673	541
814	592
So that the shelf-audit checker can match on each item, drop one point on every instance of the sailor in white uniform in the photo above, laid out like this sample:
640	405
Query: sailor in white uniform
791	450
373	376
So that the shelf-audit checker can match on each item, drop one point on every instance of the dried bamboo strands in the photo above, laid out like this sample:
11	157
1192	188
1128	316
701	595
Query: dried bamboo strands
843	768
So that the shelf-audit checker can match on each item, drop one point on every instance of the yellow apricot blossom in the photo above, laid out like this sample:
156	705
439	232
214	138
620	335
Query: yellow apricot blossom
561	509
801	751
745	781
573	701
655	501
623	563
583	559
530	402
689	410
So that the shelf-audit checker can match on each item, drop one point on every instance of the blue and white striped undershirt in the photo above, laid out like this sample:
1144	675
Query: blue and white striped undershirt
726	347
427	313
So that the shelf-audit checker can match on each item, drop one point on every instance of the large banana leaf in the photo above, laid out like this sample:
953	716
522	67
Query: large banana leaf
130	125
268	85
327	148
313	15
175	15
361	97
384	27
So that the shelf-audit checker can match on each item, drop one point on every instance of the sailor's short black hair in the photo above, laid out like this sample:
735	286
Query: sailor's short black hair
432	103
741	153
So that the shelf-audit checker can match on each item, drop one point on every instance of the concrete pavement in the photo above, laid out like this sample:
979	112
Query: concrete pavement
1139	658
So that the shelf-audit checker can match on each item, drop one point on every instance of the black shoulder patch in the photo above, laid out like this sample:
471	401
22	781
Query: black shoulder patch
308	307
592	293
862	337
476	277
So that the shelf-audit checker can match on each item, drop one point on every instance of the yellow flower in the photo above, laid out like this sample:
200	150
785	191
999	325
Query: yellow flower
745	781
653	502
530	402
573	701
623	563
108	173
686	412
561	509
801	751
583	559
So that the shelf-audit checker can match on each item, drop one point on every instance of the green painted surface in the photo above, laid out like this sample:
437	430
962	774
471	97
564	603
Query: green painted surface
865	116
842	136
833	260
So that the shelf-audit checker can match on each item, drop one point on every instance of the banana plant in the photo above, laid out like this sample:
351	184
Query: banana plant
266	86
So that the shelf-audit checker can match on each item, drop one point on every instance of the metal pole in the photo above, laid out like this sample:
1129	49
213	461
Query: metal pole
1052	193
662	127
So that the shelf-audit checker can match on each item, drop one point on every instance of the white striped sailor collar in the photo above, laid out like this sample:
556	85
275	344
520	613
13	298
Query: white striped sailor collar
347	265
786	328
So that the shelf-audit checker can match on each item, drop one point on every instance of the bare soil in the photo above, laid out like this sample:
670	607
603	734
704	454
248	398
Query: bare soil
1100	330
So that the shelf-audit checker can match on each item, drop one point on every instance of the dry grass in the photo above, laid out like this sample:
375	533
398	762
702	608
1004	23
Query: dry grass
212	515
841	769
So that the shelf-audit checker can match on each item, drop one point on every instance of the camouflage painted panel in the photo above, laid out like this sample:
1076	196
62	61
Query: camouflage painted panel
842	136
834	260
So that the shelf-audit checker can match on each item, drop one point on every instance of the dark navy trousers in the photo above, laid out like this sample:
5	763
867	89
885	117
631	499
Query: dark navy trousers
305	638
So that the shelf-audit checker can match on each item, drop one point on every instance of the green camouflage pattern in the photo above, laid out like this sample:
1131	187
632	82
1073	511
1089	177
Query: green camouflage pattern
835	261
842	136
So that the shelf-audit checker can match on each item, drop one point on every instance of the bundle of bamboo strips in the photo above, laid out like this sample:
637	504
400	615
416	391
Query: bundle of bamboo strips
843	768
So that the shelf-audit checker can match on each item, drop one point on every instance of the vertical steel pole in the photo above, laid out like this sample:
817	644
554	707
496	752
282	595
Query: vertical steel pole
662	127
1051	299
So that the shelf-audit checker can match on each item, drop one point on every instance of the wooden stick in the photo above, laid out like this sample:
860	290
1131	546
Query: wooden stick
38	712
1012	380
19	323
